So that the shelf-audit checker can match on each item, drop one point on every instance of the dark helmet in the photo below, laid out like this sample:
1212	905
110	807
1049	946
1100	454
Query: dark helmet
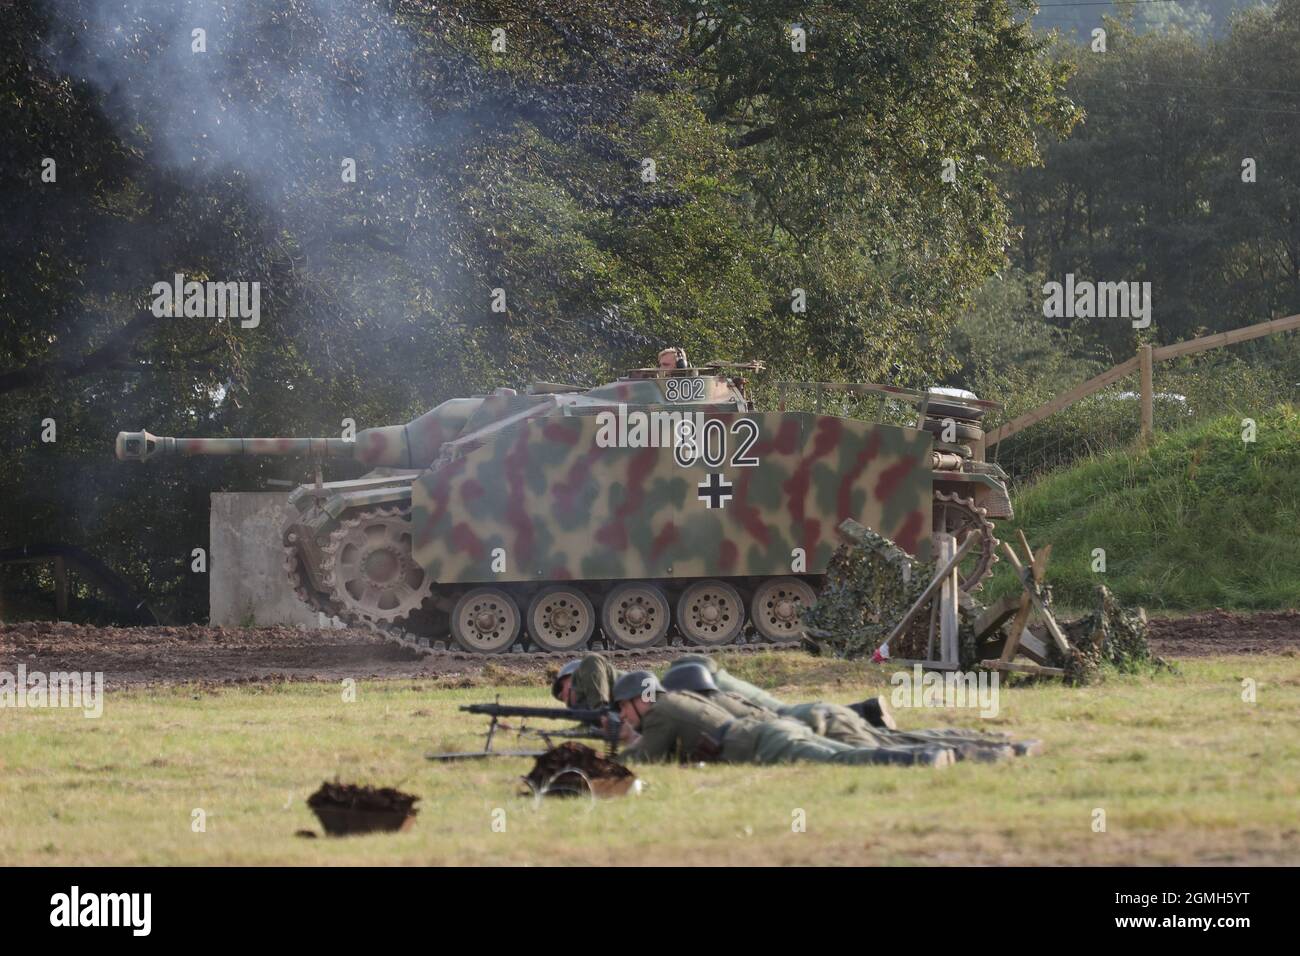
565	671
704	660
635	683
689	676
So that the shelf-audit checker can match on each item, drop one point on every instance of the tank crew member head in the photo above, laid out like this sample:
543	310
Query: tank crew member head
671	358
562	686
635	693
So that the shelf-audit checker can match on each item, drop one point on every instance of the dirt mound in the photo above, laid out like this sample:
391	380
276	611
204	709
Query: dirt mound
345	808
572	770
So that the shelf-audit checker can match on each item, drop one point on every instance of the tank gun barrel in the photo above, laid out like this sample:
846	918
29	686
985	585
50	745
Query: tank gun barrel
413	445
141	446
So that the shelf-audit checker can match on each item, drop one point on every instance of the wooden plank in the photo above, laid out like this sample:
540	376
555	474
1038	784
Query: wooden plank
1024	543
931	588
1014	559
1035	595
929	641
927	665
1220	339
996	615
1061	401
1147	390
1053	628
1017	629
1033	647
1023	668
949	622
1040	564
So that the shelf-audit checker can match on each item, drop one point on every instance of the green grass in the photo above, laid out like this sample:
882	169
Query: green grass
1200	520
1185	771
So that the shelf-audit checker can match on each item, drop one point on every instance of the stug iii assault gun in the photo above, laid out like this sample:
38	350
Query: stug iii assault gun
603	725
666	500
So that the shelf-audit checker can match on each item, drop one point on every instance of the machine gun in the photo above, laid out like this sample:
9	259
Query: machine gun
595	724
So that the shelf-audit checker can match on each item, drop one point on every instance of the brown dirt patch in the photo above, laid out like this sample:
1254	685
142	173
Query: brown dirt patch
136	656
1220	633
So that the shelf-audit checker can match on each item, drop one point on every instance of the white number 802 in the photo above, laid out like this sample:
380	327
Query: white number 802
711	446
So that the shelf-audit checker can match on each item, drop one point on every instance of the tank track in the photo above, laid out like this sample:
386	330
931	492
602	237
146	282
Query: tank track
440	649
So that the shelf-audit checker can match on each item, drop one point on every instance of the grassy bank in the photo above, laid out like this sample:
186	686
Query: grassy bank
1183	769
1202	519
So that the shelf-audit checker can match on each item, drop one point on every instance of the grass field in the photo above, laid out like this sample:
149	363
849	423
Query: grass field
1185	771
1202	519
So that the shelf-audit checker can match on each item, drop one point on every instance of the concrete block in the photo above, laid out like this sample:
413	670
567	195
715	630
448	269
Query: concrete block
246	580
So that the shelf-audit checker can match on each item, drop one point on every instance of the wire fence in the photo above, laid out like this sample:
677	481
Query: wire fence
1246	379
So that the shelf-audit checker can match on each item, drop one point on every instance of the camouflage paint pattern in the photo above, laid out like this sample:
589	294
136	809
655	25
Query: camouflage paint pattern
413	445
564	508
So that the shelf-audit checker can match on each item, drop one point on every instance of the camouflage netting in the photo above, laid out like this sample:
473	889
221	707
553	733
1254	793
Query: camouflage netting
865	596
1112	637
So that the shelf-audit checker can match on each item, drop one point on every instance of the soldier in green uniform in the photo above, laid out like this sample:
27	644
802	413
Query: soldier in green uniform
695	679
660	725
849	724
585	683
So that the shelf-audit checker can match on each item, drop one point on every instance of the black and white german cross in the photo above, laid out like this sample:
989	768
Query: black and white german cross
715	491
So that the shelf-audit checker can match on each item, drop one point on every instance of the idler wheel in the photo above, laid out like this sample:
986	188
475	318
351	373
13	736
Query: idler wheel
561	618
778	606
636	615
370	570
710	612
485	621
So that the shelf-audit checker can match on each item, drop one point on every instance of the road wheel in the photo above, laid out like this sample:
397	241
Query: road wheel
710	612
778	606
561	618
636	615
485	621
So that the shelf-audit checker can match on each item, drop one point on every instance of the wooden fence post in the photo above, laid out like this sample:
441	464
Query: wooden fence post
1148	393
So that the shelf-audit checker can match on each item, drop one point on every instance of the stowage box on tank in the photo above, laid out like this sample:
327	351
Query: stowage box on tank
664	499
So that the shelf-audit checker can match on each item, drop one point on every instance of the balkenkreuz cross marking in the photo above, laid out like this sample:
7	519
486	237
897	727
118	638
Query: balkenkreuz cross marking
716	491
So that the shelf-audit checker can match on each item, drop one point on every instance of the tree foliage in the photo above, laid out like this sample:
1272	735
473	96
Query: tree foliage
478	168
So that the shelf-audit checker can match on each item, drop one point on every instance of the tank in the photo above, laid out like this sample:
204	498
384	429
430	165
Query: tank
664	504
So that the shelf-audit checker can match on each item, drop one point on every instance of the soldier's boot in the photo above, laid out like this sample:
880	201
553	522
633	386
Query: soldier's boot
1028	748
876	712
936	757
985	753
916	756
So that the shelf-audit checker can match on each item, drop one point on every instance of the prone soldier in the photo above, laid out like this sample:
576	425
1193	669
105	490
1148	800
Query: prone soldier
866	724
586	684
660	725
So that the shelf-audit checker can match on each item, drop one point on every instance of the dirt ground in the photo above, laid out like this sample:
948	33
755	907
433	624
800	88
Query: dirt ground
147	655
